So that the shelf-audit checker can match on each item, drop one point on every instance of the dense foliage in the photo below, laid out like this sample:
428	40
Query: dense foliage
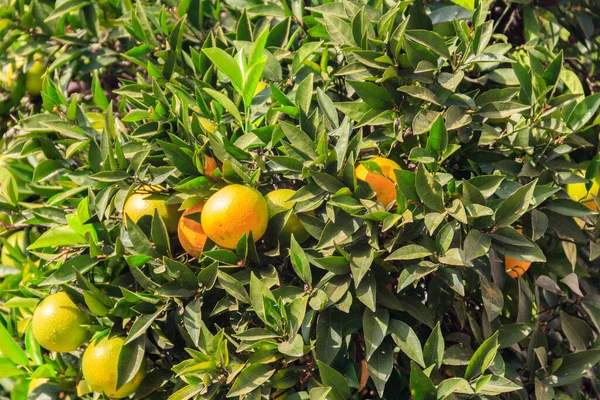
488	107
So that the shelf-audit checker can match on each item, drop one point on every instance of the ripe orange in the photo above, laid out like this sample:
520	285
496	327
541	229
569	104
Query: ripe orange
100	366
233	211
515	268
140	208
277	201
57	323
383	184
190	232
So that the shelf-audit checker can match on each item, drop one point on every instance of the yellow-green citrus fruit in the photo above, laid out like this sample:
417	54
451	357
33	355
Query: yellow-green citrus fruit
233	211
57	323
383	184
33	78
190	232
260	87
277	201
579	192
100	365
35	383
140	208
208	125
16	240
9	72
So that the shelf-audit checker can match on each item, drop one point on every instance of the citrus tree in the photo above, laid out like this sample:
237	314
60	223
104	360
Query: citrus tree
297	200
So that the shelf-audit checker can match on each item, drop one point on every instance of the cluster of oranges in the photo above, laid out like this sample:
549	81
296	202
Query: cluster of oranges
236	210
60	325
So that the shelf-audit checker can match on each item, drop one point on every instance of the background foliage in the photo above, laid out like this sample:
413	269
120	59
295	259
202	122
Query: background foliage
489	107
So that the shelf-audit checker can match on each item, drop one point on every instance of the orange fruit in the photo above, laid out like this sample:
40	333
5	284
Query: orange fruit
210	164
383	184
190	232
277	201
57	323
233	211
100	366
516	268
140	208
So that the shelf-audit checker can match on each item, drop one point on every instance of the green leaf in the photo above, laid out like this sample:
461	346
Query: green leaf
453	385
131	359
66	7
584	111
468	4
502	110
10	349
375	325
294	347
58	236
483	357
179	158
380	366
138	239
329	336
374	95
226	103
233	287
250	378
300	140
430	40
159	234
141	325
408	341
515	205
477	244
438	138
433	352
258	291
573	367
420	92
498	384
409	252
493	299
192	319
421	386
300	261
336	381
577	331
512	334
227	65
429	190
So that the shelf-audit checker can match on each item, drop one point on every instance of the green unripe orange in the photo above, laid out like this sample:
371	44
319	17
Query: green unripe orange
57	323
140	208
100	365
33	78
